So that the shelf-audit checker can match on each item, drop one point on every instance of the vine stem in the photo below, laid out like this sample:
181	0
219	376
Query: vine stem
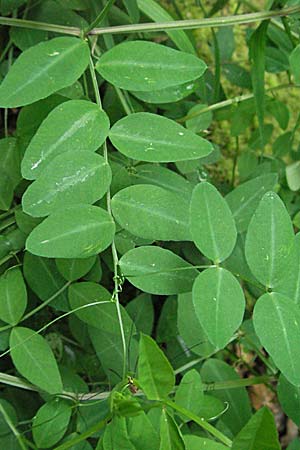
200	421
157	26
115	296
13	428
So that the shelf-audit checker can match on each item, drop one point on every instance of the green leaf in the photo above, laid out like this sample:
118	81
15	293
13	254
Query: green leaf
189	394
142	433
152	212
289	399
259	433
292	172
257	58
147	66
193	442
244	199
9	171
75	232
170	435
290	284
72	269
11	413
155	373
73	124
51	423
211	223
33	358
153	10
270	241
141	311
44	280
44	69
104	316
295	63
280	335
157	271
190	328
167	95
69	179
13	296
149	137
219	304
201	121
239	411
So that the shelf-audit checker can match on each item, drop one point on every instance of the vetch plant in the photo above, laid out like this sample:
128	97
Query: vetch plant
145	288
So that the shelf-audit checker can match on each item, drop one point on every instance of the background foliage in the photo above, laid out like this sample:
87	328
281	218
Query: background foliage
149	217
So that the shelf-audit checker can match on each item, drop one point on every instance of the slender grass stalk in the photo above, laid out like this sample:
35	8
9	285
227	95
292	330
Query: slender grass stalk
13	428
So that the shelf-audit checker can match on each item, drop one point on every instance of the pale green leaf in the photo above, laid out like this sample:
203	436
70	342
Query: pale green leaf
44	69
69	179
277	324
74	232
289	399
295	63
270	241
170	435
193	442
189	393
147	66
51	422
211	223
259	433
219	304
72	269
155	373
157	271
33	358
149	137
75	124
13	296
152	212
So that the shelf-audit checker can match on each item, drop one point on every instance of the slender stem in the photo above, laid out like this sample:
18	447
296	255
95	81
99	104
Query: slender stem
41	306
13	428
113	245
233	101
235	158
101	16
197	23
234	384
200	421
157	26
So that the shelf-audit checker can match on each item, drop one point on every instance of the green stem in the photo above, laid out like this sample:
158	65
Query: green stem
157	26
13	428
200	421
233	101
235	158
101	16
197	23
113	245
88	433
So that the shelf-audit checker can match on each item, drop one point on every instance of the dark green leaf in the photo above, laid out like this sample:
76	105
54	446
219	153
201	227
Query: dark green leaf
13	296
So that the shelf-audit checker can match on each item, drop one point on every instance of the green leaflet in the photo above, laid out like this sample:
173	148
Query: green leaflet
244	199
152	212
219	304
149	137
193	442
74	232
289	399
73	124
295	64
239	411
280	335
270	241
147	66
33	358
155	374
170	435
99	316
72	269
210	221
259	433
141	311
43	69
51	422
69	179
153	10
44	279
157	271
13	296
167	95
189	394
